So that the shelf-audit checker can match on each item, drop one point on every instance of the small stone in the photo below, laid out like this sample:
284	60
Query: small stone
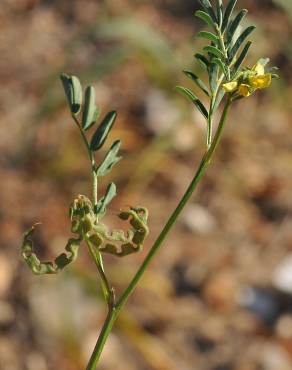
284	327
221	289
6	274
161	114
282	277
199	220
273	357
6	313
35	360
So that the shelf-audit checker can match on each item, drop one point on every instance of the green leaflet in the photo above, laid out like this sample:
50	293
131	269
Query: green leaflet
228	12
213	76
241	58
239	42
208	7
209	36
232	29
221	65
219	8
214	51
110	159
110	193
197	81
194	99
73	91
206	3
90	111
205	17
202	60
101	133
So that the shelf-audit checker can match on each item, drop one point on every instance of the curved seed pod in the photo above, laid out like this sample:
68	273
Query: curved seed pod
102	131
90	112
118	242
41	268
73	91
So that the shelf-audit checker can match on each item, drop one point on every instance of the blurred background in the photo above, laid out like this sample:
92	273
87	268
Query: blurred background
219	294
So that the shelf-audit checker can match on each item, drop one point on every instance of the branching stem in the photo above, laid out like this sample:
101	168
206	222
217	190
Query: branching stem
115	310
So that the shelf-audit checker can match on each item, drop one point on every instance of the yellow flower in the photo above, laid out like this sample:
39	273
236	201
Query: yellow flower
250	80
261	80
259	69
230	87
244	90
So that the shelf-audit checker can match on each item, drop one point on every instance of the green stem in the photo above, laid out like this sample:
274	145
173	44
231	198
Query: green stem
97	256
210	124
91	158
105	331
113	313
224	50
106	289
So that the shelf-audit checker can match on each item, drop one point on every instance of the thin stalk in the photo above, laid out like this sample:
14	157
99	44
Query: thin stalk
91	158
210	123
97	256
106	289
113	314
105	331
224	50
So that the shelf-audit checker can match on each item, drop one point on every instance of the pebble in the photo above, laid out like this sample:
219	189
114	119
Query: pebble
282	276
273	357
161	114
6	313
6	274
199	220
284	327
